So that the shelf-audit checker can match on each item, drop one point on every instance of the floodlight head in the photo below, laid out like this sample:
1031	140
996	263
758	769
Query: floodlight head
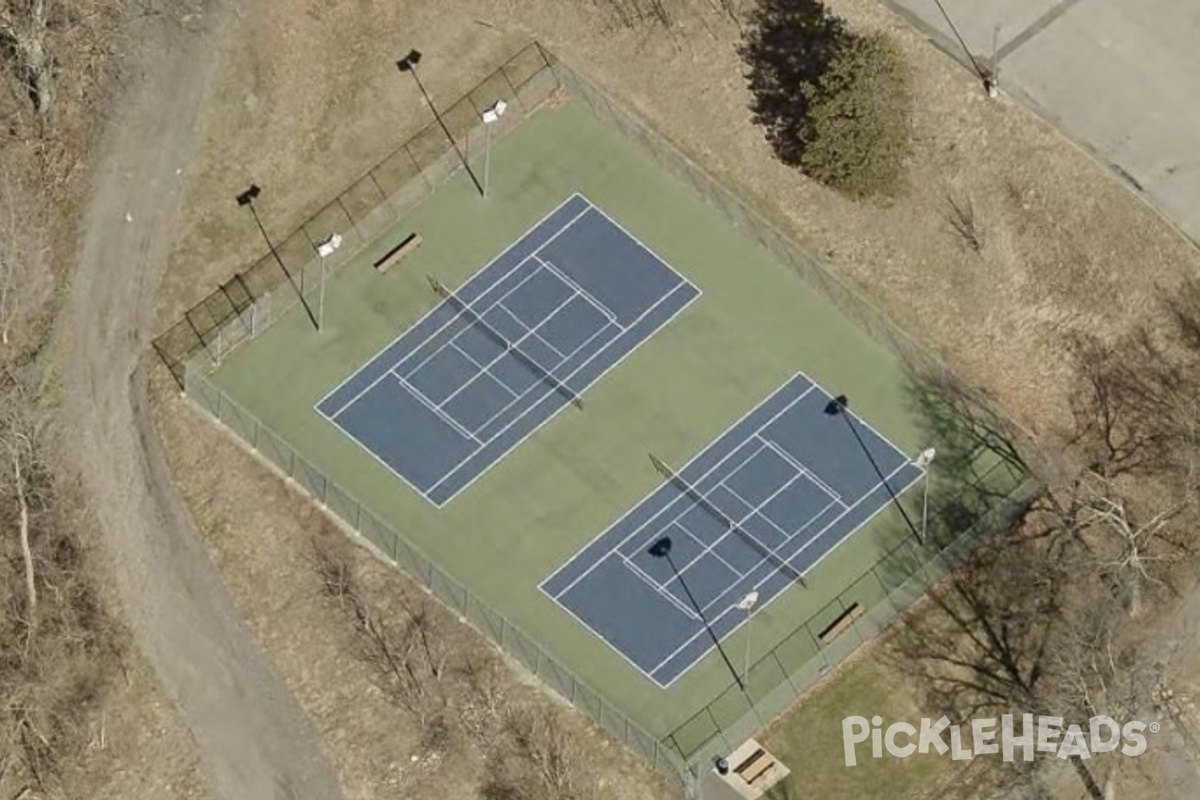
494	112
329	244
836	405
661	548
247	197
925	457
409	61
747	602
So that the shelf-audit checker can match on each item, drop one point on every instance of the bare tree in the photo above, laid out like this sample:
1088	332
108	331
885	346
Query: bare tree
1134	409
981	647
1131	554
24	27
541	761
409	657
24	280
960	216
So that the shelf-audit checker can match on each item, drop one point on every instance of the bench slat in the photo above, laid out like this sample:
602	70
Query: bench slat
393	256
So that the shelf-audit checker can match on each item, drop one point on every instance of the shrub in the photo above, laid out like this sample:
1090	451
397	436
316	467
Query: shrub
858	126
834	103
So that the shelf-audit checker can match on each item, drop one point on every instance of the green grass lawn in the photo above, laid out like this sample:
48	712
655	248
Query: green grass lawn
809	741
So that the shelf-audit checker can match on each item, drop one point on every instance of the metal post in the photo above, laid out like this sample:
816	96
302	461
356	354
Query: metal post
838	406
746	604
321	299
246	199
409	64
487	156
923	461
325	248
491	116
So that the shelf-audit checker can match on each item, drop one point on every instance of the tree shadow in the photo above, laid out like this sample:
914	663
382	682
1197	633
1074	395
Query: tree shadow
788	46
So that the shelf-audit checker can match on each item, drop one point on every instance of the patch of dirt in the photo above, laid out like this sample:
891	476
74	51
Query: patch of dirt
252	739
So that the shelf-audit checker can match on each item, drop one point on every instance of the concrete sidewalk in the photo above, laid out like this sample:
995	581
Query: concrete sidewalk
1121	78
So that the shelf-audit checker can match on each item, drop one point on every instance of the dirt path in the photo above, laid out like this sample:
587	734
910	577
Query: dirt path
251	735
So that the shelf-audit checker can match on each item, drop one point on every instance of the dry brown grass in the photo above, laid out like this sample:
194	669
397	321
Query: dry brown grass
80	712
308	98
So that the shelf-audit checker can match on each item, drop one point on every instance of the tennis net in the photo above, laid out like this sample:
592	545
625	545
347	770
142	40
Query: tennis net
701	500
509	347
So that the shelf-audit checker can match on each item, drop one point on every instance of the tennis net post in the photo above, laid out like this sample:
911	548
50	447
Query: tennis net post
699	499
503	341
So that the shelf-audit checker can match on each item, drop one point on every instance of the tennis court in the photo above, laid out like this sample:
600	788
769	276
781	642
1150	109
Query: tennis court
497	358
754	512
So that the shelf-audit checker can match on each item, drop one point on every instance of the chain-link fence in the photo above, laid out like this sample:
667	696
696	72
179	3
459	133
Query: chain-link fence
246	304
783	247
773	681
882	591
885	588
391	544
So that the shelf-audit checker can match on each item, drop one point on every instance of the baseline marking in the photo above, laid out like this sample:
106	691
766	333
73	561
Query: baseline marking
423	400
637	531
565	380
657	587
770	575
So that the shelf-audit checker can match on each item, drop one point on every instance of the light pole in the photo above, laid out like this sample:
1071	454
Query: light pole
246	199
662	549
922	461
491	116
838	406
746	604
409	64
325	249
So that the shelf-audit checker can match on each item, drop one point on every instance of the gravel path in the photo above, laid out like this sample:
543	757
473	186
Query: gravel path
252	736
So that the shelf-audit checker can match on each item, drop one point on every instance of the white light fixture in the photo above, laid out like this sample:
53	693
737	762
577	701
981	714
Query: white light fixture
494	112
925	458
747	602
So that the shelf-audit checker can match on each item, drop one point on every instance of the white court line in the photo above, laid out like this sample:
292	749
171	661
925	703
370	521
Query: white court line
733	450
470	325
436	306
498	304
716	555
396	364
648	337
562	276
638	572
674	521
423	400
739	530
561	355
642	245
771	521
482	368
549	389
803	470
739	523
557	597
773	572
514	345
777	567
680	282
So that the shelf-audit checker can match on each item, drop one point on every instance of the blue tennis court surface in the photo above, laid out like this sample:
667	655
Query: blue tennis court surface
755	511
522	338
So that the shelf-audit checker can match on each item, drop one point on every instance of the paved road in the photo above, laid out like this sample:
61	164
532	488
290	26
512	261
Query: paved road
1118	76
252	737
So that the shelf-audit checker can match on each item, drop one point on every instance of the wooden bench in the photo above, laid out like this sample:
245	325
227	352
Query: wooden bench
755	766
394	256
842	623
